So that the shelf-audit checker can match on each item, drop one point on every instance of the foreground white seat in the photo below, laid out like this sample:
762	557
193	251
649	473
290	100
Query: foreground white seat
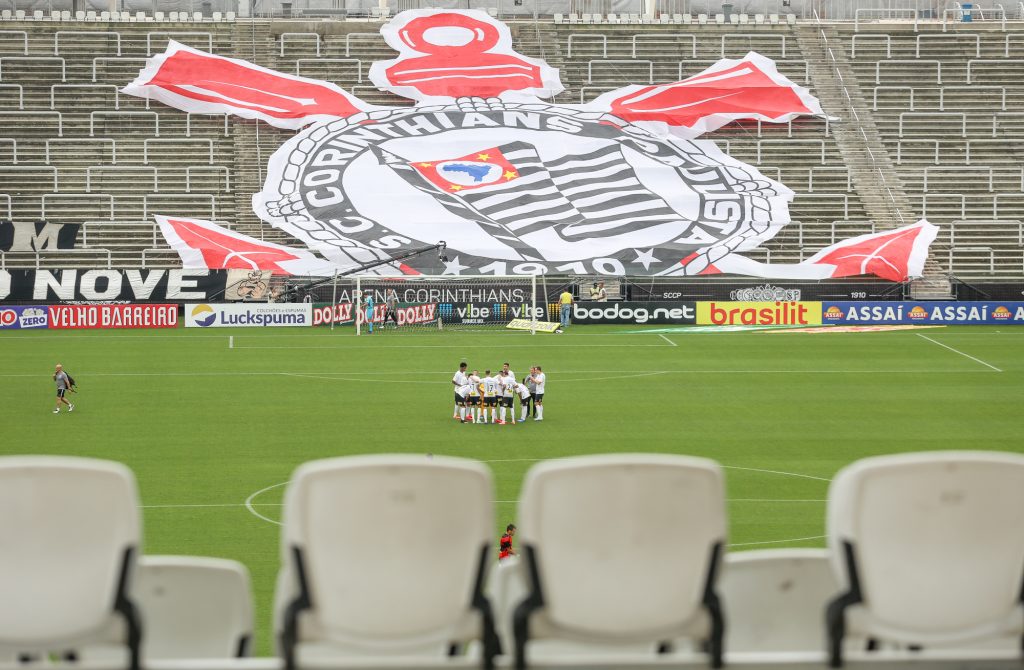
70	532
621	550
194	607
928	548
385	556
774	599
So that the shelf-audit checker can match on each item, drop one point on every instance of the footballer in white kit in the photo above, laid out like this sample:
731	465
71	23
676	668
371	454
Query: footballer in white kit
462	393
508	384
459	379
492	388
523	391
474	396
539	379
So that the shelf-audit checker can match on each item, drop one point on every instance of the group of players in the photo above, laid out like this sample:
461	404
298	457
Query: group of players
489	399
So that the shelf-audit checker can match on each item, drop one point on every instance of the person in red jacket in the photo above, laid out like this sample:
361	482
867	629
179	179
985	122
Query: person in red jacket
505	544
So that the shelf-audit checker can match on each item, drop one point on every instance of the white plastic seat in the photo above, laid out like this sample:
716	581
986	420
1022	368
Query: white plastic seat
385	556
720	19
759	19
158	16
613	18
928	548
194	607
71	534
584	588
774	598
574	18
559	18
664	19
6	15
773	19
90	15
702	19
229	16
791	19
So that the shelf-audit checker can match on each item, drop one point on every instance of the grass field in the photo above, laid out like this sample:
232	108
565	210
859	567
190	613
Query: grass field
207	428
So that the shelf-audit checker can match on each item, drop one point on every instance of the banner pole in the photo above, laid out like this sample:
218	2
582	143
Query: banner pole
334	298
357	302
533	305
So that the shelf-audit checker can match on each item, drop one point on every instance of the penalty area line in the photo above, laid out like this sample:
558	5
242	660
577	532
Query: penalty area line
957	351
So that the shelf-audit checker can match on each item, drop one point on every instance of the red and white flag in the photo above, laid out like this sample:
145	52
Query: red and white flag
750	88
896	255
204	244
195	81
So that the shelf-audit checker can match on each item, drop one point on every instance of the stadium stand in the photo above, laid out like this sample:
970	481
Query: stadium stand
925	120
926	549
386	556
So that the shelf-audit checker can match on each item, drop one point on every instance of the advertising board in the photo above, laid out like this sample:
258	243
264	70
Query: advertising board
256	314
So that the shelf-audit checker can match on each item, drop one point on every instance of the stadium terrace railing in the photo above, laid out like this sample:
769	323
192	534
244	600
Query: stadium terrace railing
976	13
892	13
853	112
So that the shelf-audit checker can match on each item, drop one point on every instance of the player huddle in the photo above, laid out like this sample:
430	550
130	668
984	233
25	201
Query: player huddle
490	398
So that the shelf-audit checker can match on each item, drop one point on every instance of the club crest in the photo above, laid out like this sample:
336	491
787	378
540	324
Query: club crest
515	187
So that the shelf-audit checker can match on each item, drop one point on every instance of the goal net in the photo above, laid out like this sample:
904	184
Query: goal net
422	303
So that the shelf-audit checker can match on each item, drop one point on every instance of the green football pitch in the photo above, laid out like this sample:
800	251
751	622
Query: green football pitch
213	432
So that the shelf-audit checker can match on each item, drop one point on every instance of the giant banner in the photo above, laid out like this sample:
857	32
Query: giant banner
37	235
50	286
513	183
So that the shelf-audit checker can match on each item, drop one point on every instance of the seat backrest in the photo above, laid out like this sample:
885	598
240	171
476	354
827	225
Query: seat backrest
194	607
601	528
391	546
774	599
69	528
936	539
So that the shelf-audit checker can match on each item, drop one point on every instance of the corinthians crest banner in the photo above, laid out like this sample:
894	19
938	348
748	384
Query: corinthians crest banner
512	183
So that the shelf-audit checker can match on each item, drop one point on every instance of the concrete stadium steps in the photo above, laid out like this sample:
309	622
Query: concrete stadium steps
85	152
948	107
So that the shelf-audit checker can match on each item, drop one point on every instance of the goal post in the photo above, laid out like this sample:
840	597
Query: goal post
424	303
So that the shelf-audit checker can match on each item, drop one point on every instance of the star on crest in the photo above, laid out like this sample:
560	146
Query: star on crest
453	267
511	174
455	187
645	258
484	157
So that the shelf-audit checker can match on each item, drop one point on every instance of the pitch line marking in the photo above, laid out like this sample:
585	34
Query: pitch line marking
794	539
667	340
251	506
230	373
957	351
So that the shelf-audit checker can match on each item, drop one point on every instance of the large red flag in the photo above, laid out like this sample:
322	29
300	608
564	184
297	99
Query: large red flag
195	81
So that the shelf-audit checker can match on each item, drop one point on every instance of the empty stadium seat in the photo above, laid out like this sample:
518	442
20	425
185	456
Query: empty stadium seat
928	548
71	534
585	588
774	598
194	607
385	555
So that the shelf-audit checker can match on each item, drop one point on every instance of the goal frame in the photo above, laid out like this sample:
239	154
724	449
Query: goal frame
532	279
